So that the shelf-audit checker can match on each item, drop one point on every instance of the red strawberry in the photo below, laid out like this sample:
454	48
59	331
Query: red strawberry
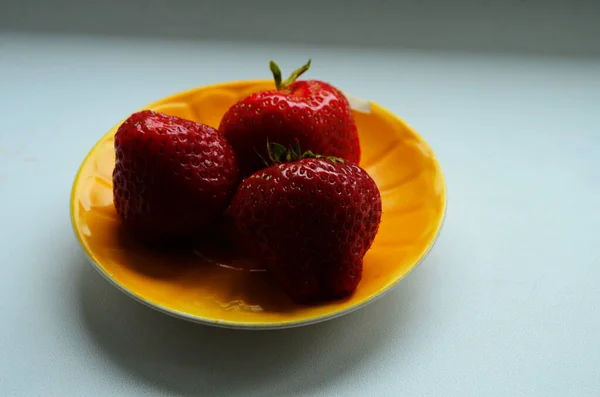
312	112
310	222
172	177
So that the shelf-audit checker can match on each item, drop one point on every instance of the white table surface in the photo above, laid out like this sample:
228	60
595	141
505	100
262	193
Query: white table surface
506	304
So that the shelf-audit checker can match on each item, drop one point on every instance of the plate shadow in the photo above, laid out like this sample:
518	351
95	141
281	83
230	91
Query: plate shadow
191	359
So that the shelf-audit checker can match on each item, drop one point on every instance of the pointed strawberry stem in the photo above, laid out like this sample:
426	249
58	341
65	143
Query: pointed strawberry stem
276	73
280	154
264	161
276	152
293	77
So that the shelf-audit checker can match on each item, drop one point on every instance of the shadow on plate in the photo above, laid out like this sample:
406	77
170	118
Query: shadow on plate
201	267
190	359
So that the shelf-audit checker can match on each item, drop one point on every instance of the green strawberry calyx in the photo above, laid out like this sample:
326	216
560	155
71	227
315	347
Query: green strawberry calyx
280	154
281	85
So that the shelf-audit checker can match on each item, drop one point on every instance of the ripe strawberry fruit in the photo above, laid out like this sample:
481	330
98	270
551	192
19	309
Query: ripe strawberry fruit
172	177
309	220
312	112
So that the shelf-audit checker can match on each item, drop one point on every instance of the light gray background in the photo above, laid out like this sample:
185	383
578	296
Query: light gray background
508	95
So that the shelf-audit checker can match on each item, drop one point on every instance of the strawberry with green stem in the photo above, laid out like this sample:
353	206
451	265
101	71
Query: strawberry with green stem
309	219
312	112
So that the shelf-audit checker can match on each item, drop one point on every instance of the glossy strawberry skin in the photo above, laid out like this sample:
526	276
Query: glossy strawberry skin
172	177
312	112
310	224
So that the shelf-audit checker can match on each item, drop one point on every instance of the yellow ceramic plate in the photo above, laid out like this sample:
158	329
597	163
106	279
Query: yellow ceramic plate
214	288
